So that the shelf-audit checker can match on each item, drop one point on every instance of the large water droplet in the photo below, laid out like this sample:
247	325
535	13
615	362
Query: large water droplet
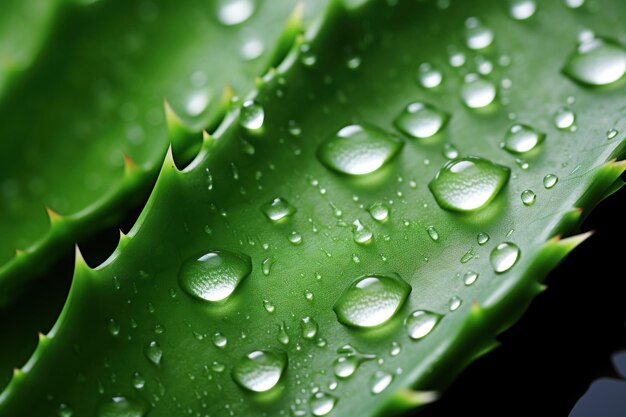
346	366
469	183
219	340
504	256
421	120
371	300
379	211
477	36
528	197
260	371
215	275
420	323
564	118
550	181
153	352
122	407
361	233
233	12
597	61
309	328
252	115
477	92
359	149
522	138
322	403
278	209
482	238
470	277
522	9
379	381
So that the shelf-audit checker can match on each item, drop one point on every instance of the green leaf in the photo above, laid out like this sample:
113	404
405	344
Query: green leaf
145	331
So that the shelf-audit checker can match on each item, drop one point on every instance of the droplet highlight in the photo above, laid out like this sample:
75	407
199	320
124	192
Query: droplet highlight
504	256
260	371
421	120
420	323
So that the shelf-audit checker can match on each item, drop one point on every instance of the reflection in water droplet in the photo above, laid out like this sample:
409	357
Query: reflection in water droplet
252	48
379	381
153	352
597	61
113	327
233	12
278	209
450	151
358	149
470	277
346	366
522	138
215	275
282	337
268	306
309	328
197	103
252	115
454	303
477	36
522	9
611	133
219	340
550	181
322	403
64	410
361	233
421	120
122	407
371	300
468	183
477	92
504	256
138	380
395	349
482	238
564	118
528	197
379	211
432	233
295	238
420	323
260	371
428	76
574	4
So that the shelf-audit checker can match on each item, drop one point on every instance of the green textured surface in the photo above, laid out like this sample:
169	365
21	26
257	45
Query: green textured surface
96	93
81	364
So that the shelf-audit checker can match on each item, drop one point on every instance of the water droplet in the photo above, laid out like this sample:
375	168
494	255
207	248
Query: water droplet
353	62
477	36
429	77
379	211
64	410
371	300
477	92
278	209
395	349
252	115
358	149
268	306
528	197
219	340
138	381
309	328
266	266
252	48
283	337
420	323
361	233
322	403
450	151
295	238
470	277
421	120
522	138
153	352
522	9
482	238
379	381
432	232
596	61
454	303
122	407
550	181
504	256
233	12
260	371
307	57
468	183
564	118
215	275
574	4
346	366
217	367
113	327
611	133
197	103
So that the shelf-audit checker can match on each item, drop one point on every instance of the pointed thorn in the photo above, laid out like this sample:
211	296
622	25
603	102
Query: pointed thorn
228	93
122	235
129	163
297	13
42	337
17	372
53	215
79	261
19	252
174	123
407	398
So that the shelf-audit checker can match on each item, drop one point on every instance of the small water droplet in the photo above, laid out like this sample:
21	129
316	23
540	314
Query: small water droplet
429	77
450	151
309	328
217	367
295	238
550	181
420	323
468	183
278	209
611	133
574	4
266	266
234	12
361	233
322	403
64	410
477	36
379	211
346	366
596	62
252	48
421	120
153	352
379	381
260	371
470	278
395	349
138	381
477	92
307	57
252	115
454	303
215	275
122	407
564	118
268	306
432	233
113	327
522	138
371	300
282	337
482	238
528	197
219	340
522	9
504	256
358	149
353	62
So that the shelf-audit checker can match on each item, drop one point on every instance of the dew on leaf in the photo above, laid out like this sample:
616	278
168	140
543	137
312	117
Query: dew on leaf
421	120
550	181
420	323
522	9
477	92
504	256
564	118
477	36
295	238
379	211
454	303
450	151
428	76
482	238
309	328
395	349
122	407
278	209
522	138
234	12
379	381
596	62
219	340
260	371
361	233
528	197
252	115
269	306
153	352
138	381
322	403
432	233
611	134
470	277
